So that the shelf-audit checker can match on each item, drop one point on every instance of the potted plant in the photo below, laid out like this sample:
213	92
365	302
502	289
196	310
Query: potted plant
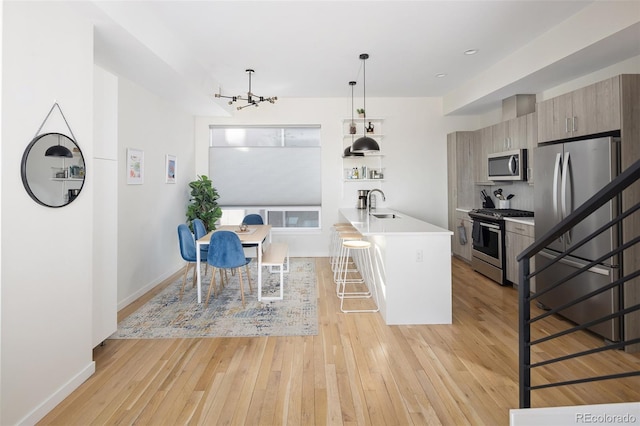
360	112
203	203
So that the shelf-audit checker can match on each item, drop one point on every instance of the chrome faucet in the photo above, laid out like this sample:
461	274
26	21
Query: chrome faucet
369	197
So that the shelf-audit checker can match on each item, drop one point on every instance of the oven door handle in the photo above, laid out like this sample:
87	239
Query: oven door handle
491	226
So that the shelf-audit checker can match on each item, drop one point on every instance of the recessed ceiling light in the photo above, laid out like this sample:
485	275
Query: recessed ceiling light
441	75
471	52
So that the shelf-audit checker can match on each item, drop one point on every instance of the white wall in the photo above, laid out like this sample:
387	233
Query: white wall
630	66
149	214
414	147
105	207
47	56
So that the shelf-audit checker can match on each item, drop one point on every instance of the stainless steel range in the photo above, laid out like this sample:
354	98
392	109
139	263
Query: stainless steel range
488	248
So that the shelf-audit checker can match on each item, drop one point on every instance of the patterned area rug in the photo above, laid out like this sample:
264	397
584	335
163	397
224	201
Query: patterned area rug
165	316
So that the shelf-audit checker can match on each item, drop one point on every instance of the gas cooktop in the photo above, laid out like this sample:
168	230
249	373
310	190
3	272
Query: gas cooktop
500	213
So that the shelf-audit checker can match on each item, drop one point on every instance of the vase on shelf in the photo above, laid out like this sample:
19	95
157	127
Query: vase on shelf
370	128
352	128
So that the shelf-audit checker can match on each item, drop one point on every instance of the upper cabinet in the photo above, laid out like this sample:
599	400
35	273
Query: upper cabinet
532	142
480	150
509	135
590	110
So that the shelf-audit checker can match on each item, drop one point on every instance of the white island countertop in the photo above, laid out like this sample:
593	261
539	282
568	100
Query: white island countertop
367	224
412	266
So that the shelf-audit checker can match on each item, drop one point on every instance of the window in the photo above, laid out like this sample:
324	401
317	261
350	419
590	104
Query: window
280	218
274	168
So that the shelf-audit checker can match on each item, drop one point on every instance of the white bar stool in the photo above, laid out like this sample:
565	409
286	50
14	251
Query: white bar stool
360	250
335	242
342	264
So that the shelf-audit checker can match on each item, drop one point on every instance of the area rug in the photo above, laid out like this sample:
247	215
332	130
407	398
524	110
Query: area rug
166	316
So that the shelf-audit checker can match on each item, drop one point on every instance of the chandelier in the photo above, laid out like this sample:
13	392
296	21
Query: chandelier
252	99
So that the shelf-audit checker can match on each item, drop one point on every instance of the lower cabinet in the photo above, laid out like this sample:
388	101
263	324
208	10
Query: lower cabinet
459	249
519	236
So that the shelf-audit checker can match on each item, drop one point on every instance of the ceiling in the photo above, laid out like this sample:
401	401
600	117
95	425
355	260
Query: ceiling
186	51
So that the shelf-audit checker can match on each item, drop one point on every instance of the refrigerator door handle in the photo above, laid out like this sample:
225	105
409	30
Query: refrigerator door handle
576	264
566	177
556	178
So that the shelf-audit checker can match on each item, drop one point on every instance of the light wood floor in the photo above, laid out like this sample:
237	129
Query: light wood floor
356	370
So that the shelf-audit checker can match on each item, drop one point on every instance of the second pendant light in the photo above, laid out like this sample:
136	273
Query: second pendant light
364	144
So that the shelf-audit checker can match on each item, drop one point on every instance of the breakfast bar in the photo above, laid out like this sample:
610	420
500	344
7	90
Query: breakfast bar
412	265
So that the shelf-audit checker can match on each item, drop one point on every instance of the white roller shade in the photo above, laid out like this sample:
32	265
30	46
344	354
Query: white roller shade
266	176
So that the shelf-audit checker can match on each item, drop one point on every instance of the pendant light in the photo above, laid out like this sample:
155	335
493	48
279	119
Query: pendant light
347	150
365	143
58	151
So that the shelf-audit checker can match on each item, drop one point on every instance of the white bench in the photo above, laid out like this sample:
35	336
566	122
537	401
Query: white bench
276	254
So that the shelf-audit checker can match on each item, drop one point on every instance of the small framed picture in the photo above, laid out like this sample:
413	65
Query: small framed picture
171	168
135	166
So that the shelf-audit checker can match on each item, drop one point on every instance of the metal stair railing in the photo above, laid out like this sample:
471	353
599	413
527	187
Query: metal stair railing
614	189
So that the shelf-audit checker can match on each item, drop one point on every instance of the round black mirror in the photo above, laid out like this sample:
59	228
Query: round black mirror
53	169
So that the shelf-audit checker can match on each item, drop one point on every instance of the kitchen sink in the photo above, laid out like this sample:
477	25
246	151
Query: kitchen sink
385	215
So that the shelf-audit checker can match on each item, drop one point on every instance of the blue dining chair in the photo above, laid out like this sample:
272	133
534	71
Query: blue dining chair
225	252
199	231
252	219
188	253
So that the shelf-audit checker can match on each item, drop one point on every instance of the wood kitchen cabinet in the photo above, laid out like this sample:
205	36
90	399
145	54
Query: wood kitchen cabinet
519	236
590	110
509	135
482	147
532	143
461	250
460	174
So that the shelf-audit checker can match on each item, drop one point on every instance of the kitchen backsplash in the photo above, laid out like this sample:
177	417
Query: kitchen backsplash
522	198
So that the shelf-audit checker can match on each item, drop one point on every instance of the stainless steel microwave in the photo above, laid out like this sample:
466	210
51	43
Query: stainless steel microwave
508	165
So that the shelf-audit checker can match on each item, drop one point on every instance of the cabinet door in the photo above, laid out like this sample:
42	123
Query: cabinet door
481	148
516	243
459	249
517	136
608	105
562	117
465	187
466	249
554	118
452	182
500	137
545	120
584	112
532	144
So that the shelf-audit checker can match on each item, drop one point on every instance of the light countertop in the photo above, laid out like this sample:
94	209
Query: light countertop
403	225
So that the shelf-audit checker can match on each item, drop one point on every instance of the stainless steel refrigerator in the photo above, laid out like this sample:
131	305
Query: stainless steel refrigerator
566	175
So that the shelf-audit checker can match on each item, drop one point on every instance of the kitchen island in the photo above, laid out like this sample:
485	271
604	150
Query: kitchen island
412	264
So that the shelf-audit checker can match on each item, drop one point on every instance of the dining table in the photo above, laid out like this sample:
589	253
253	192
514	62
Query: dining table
255	234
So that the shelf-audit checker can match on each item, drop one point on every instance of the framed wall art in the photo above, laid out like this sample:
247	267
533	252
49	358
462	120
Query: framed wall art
171	168
135	166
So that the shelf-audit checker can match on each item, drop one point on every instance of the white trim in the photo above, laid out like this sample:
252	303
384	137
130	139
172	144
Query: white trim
59	395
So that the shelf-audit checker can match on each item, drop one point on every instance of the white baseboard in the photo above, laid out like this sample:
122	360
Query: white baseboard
141	292
57	397
601	414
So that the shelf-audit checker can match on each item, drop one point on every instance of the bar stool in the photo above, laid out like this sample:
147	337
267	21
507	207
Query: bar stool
335	242
360	250
340	263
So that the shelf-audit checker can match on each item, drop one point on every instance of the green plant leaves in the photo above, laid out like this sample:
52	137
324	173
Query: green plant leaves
203	203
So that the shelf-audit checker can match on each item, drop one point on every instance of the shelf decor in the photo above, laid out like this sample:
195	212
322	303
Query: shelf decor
135	166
